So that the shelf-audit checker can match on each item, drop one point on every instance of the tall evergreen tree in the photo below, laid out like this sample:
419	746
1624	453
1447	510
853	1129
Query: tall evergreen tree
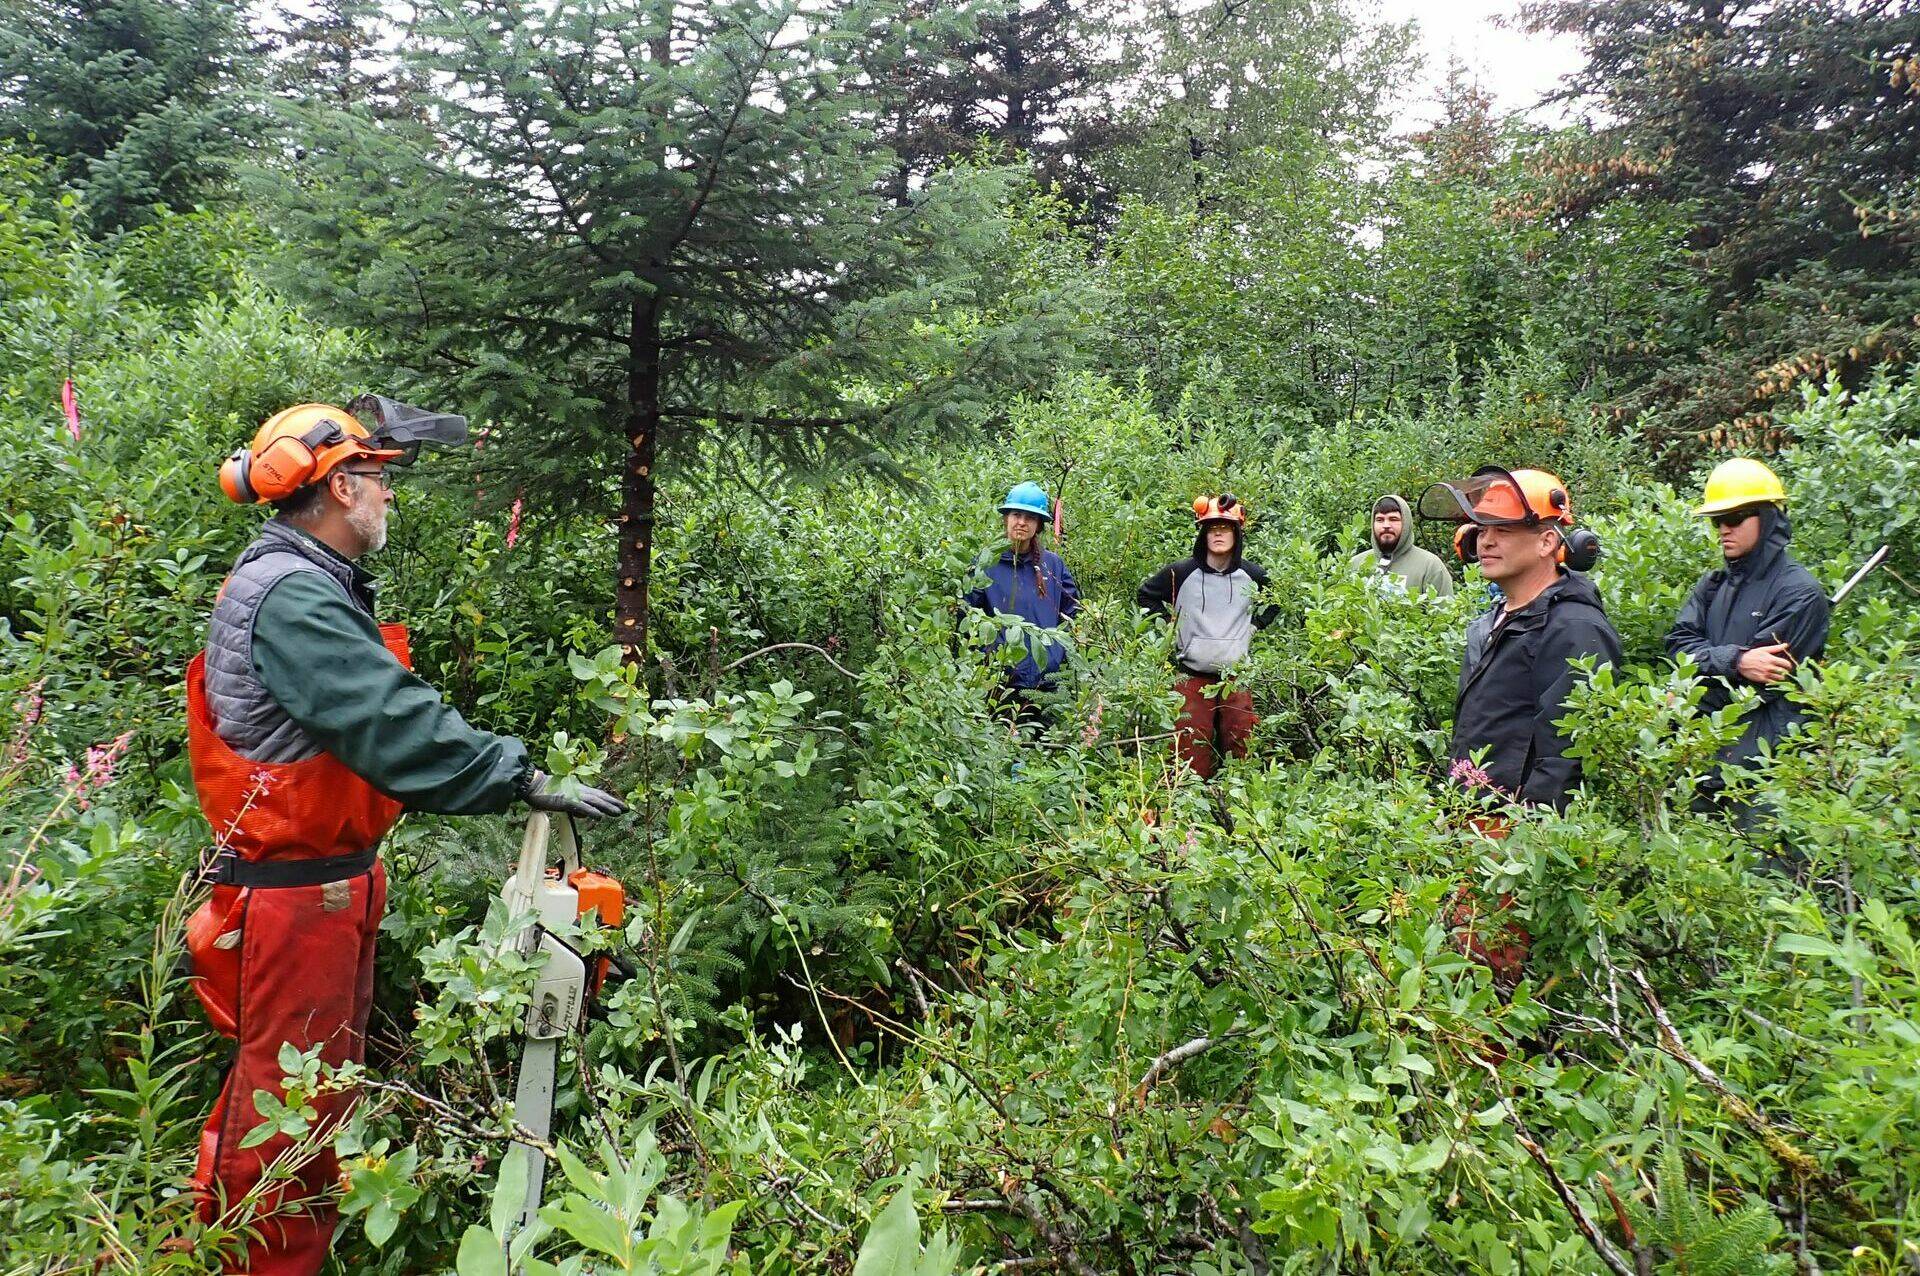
338	51
633	231
135	101
1217	86
1025	77
1780	129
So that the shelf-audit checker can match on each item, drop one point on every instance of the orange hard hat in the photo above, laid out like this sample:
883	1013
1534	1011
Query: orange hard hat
1224	508
1493	497
295	447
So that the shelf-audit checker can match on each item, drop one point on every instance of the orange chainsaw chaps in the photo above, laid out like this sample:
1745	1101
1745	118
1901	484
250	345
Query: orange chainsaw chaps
1503	950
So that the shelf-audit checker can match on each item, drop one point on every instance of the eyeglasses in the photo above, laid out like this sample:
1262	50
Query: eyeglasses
380	476
1733	518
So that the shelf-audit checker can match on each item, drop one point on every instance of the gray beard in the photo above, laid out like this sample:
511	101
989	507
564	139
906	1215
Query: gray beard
370	523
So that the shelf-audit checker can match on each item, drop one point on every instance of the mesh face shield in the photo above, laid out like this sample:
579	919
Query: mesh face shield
404	428
1490	497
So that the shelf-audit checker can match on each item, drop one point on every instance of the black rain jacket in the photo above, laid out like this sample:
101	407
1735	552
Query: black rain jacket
1761	598
1514	684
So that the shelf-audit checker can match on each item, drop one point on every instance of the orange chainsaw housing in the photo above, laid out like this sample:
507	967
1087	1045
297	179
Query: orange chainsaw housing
606	899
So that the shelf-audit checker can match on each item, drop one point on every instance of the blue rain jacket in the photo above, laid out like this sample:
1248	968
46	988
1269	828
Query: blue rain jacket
1015	589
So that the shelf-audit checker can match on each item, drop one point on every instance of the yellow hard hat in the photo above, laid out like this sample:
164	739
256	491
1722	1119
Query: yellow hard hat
1738	483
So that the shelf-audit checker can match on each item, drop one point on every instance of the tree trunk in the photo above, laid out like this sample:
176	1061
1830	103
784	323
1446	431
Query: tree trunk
637	483
1019	127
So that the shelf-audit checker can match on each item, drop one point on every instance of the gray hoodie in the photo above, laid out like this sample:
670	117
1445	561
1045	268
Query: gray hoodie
1214	611
1421	570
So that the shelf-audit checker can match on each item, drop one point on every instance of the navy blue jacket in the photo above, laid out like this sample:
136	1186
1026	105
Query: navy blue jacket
1763	597
1038	589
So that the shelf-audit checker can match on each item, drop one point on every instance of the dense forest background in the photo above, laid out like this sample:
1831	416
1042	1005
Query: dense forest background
758	307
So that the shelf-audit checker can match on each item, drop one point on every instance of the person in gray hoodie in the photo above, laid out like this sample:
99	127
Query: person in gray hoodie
1211	596
1394	553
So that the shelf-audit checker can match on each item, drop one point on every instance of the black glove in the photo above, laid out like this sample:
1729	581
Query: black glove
591	804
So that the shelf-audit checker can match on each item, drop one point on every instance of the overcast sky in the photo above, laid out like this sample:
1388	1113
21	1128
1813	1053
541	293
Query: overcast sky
1517	68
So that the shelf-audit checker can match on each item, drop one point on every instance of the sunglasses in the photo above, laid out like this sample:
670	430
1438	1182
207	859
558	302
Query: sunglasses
1733	518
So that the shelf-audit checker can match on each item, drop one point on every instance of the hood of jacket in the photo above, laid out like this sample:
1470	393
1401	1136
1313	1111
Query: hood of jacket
1406	530
1776	530
1239	547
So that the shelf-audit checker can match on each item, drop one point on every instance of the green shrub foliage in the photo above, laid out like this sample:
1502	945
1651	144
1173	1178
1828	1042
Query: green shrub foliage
920	989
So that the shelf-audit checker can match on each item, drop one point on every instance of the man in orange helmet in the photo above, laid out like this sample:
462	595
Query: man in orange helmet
1517	672
308	736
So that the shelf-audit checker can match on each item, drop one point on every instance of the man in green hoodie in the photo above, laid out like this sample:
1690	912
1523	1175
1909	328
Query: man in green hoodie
1394	554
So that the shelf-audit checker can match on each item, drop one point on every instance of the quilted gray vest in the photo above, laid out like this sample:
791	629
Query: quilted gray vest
246	716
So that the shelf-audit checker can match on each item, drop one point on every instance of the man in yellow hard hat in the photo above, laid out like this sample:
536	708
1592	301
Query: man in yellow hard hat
1753	621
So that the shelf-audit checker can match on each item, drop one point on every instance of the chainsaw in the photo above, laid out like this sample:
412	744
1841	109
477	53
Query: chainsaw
568	984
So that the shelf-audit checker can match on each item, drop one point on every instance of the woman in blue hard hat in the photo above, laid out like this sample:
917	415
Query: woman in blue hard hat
1030	582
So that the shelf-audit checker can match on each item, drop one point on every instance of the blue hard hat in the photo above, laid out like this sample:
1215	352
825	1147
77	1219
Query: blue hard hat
1028	498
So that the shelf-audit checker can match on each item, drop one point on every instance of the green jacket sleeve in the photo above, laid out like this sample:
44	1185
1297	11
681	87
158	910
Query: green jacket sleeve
322	660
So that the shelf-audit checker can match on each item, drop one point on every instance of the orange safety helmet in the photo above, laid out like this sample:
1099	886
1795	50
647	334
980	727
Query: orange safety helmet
298	446
1224	508
1494	497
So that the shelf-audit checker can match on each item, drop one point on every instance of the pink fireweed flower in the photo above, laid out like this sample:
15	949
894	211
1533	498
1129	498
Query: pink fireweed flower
1090	734
70	406
513	522
262	779
1471	776
27	710
102	757
101	760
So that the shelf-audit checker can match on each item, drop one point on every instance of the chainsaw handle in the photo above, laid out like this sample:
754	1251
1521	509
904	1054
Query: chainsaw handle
537	849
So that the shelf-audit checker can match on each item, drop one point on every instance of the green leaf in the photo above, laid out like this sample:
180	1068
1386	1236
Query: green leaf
1811	945
510	1190
480	1254
892	1247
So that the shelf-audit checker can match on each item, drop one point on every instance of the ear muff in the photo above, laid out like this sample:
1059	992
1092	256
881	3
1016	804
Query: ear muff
233	477
280	469
1579	549
1466	543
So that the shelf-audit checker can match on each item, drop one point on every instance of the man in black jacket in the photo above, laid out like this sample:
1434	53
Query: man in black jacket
1518	669
1754	620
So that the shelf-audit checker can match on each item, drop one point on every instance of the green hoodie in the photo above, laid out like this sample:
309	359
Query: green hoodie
1422	571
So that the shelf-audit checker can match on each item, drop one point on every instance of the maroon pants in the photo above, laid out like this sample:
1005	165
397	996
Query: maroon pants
303	977
1211	726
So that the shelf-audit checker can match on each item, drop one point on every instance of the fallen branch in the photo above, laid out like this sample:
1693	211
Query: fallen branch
1160	1066
1642	1256
1600	1244
1794	1160
467	1124
905	967
787	646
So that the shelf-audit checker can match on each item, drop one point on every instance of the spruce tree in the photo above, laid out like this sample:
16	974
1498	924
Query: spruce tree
1783	133
136	102
632	233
